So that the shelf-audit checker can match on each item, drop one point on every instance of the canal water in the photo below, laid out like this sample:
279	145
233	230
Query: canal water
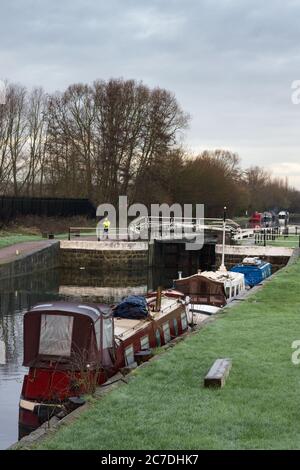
19	294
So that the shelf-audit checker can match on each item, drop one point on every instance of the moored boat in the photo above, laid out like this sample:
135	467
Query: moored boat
209	291
283	218
70	348
255	220
254	269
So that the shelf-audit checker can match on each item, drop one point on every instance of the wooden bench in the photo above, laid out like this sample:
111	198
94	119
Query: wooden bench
218	373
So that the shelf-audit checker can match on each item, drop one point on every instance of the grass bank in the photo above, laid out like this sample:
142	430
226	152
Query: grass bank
34	226
292	241
166	407
9	239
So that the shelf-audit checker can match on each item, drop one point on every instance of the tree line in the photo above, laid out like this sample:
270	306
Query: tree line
121	137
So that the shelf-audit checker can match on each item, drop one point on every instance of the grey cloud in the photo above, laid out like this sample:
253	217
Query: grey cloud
230	63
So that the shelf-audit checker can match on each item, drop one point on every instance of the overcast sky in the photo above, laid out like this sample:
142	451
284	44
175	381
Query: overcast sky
230	63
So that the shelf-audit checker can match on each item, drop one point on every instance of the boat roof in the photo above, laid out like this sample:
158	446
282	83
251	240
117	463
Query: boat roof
91	311
124	327
252	267
216	276
222	276
198	276
165	292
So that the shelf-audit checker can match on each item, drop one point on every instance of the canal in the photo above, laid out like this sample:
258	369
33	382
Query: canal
19	294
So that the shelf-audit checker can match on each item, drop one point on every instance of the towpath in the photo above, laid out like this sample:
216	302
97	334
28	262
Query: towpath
13	252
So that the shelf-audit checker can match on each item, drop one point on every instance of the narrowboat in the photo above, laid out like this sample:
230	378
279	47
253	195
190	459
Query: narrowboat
70	348
267	219
254	269
209	291
255	220
283	218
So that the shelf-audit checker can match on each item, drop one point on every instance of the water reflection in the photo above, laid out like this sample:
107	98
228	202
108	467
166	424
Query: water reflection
108	287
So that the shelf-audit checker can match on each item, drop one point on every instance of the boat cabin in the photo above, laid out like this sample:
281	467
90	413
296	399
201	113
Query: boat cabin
68	335
215	288
234	283
202	290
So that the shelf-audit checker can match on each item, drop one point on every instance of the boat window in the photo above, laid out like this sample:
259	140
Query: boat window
56	335
166	330
98	333
145	342
183	321
175	326
107	333
129	355
157	337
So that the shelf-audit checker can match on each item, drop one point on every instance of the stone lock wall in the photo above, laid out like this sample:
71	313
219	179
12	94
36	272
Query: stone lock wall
277	262
277	256
104	255
37	261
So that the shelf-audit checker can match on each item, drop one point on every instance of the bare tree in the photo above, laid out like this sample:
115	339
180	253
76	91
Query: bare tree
5	163
16	104
37	140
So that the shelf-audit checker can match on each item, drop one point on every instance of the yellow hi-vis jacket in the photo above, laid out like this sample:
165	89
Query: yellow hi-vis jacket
106	224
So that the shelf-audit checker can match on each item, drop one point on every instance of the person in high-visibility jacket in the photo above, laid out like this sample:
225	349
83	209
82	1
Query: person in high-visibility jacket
106	225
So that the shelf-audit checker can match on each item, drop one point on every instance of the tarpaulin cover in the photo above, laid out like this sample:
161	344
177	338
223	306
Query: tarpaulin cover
133	306
254	274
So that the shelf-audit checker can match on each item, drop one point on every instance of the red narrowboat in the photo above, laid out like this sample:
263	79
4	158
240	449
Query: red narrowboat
255	220
71	348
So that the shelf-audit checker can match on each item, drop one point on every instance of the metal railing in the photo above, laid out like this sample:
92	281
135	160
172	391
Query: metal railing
146	228
79	231
98	233
278	236
175	225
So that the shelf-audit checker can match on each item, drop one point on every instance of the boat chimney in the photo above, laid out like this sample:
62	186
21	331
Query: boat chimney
199	271
158	299
179	274
223	267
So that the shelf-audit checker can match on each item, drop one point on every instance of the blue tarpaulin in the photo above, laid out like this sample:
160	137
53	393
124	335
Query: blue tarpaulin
133	306
254	274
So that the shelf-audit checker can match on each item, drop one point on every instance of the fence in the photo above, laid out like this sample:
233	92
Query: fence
160	228
278	237
99	234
